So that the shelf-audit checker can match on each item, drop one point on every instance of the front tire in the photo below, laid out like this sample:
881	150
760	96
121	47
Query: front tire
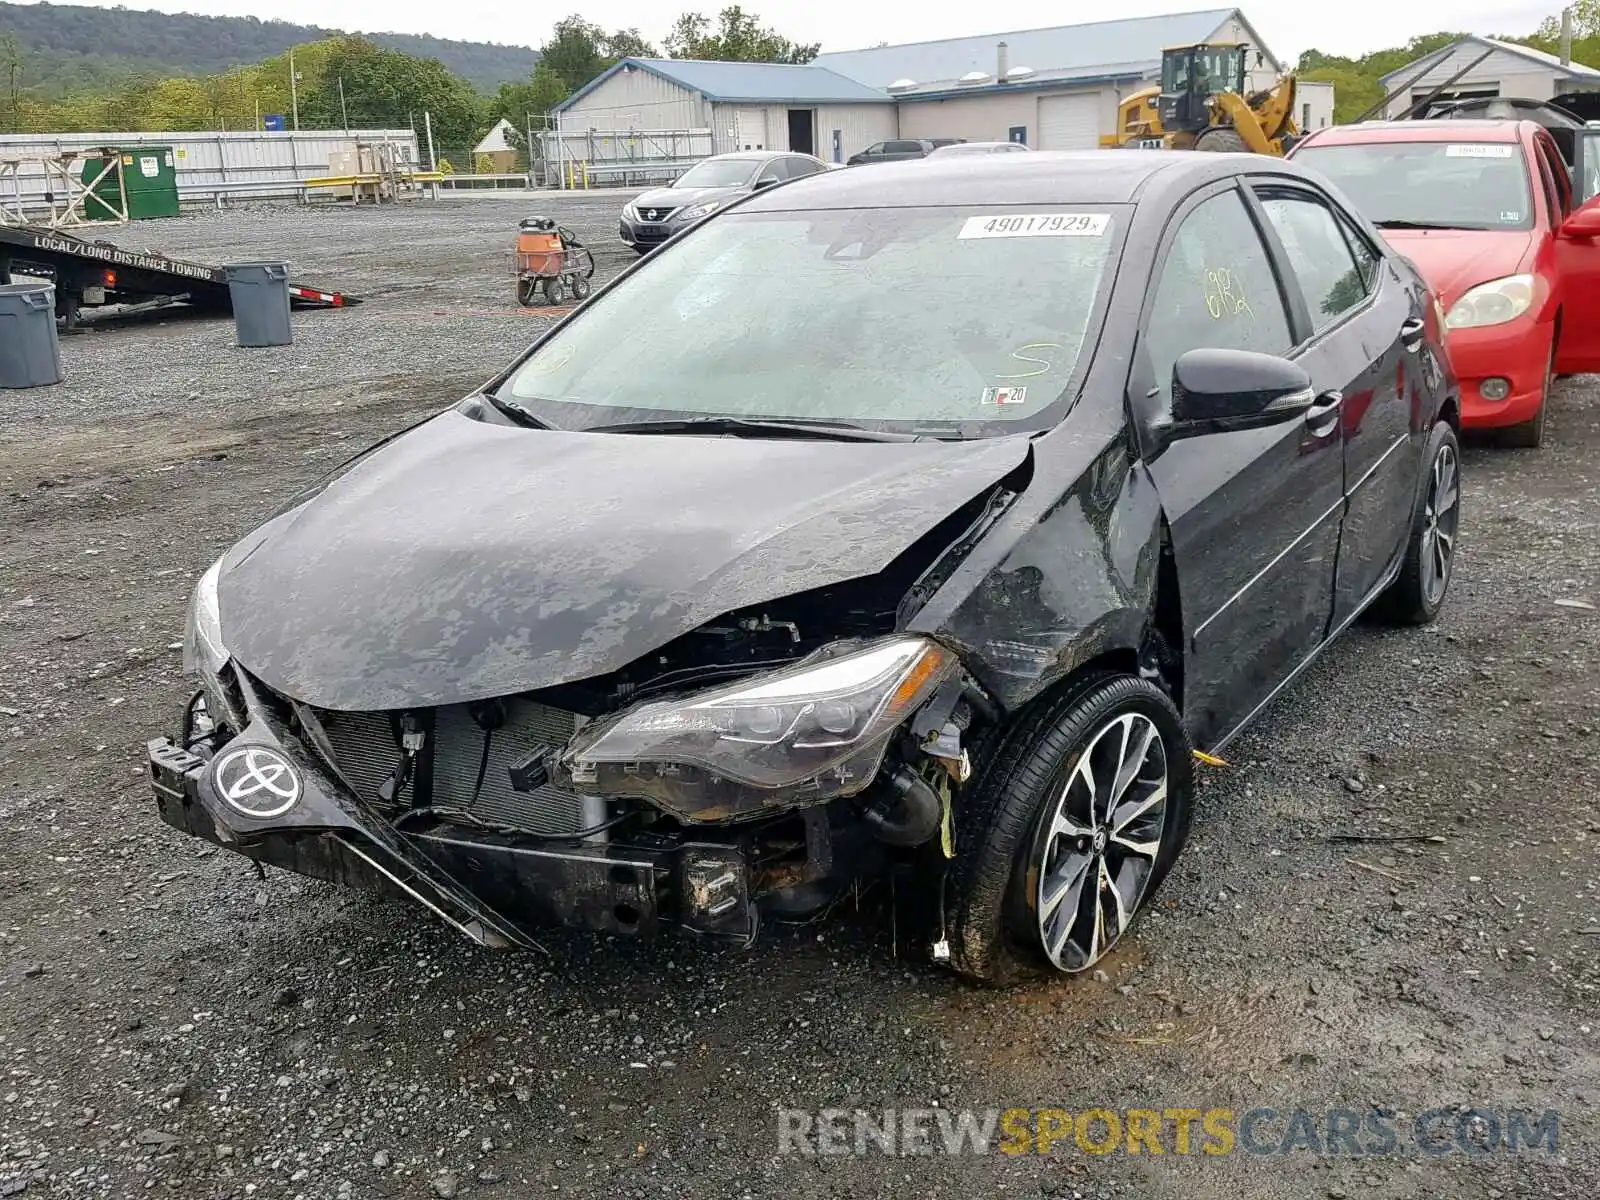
1417	594
1073	825
1221	141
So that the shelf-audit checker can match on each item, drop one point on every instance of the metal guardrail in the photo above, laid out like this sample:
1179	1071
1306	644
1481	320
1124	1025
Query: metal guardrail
577	175
487	181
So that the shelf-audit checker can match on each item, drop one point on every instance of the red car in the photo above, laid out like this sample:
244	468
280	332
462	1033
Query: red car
1505	233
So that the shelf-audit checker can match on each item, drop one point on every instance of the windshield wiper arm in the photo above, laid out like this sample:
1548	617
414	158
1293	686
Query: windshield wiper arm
842	431
1398	224
516	412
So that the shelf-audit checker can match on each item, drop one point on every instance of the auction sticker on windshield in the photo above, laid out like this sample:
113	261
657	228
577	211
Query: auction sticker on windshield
1035	225
1477	150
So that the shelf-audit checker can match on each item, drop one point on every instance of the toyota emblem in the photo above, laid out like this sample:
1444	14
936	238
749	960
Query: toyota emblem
257	781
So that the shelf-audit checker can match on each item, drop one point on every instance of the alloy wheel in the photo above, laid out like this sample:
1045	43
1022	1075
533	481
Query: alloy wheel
1098	850
1440	517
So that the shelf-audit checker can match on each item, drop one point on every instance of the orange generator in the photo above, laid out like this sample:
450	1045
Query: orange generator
551	264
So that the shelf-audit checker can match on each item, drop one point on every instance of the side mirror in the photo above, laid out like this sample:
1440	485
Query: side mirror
1215	391
1584	222
765	181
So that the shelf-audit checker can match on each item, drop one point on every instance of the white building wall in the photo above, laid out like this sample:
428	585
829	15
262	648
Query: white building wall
636	99
985	118
990	116
1504	73
859	126
1313	104
742	127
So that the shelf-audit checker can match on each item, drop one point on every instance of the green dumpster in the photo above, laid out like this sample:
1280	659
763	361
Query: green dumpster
149	176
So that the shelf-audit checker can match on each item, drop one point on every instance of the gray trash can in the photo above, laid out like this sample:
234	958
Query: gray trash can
260	295
30	355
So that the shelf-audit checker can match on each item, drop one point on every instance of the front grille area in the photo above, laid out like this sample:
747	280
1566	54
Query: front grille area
366	750
655	214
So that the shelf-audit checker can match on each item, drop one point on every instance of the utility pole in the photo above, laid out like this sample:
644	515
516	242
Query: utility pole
427	124
529	118
294	91
342	109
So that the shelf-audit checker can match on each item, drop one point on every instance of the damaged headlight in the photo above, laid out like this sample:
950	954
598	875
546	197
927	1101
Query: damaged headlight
808	732
204	654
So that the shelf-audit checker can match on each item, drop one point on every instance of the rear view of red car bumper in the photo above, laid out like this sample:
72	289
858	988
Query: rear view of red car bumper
1515	355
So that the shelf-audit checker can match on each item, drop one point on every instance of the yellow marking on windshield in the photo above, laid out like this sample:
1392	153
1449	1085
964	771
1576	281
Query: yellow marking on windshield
1224	296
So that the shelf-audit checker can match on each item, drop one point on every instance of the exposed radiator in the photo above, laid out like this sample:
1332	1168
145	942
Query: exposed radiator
366	751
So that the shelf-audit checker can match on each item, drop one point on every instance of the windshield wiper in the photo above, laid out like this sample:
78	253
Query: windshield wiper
1418	225
516	412
842	431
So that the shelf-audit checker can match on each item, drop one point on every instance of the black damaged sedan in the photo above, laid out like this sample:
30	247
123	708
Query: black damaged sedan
930	518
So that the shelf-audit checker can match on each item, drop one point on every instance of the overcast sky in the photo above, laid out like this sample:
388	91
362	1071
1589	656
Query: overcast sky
1342	27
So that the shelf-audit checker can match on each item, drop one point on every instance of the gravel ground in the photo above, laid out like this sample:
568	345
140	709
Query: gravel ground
171	1023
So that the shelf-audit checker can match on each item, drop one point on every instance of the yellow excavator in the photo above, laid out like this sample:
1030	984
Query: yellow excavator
1203	103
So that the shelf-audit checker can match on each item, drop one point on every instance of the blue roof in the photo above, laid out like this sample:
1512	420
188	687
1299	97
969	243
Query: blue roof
743	82
1062	51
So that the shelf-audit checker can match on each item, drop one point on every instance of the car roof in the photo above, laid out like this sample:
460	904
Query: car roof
1042	177
749	156
1460	129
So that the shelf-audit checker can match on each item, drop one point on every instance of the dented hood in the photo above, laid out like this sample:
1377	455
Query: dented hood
467	559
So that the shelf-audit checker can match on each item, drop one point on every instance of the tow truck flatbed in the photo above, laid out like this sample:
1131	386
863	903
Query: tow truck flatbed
90	274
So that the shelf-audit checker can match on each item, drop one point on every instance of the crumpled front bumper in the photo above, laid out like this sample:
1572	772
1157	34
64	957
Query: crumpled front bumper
492	887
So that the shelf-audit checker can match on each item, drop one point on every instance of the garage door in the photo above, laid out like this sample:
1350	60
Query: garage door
1070	122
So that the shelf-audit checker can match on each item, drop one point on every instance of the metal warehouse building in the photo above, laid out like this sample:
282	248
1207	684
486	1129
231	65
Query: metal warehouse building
1475	67
1055	89
673	109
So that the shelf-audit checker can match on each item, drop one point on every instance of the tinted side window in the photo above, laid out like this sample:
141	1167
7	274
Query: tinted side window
774	170
1323	265
799	168
1217	289
904	147
1366	257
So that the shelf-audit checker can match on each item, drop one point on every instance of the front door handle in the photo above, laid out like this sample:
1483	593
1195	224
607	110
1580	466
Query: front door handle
1322	418
1411	332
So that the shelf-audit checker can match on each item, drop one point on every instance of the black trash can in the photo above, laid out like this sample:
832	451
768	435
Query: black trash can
260	295
30	355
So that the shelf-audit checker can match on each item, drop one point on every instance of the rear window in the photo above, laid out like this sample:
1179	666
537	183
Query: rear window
1451	185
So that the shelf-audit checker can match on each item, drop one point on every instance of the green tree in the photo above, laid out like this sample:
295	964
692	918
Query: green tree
737	37
391	89
1356	81
11	73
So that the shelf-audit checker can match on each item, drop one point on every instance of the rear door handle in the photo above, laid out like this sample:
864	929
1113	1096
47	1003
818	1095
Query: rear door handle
1322	418
1411	332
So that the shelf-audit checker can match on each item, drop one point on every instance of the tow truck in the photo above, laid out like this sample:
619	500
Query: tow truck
91	274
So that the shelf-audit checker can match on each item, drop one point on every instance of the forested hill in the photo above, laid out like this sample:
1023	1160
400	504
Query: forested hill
66	47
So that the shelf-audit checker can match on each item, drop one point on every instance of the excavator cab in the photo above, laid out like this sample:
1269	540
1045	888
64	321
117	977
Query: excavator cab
1191	76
